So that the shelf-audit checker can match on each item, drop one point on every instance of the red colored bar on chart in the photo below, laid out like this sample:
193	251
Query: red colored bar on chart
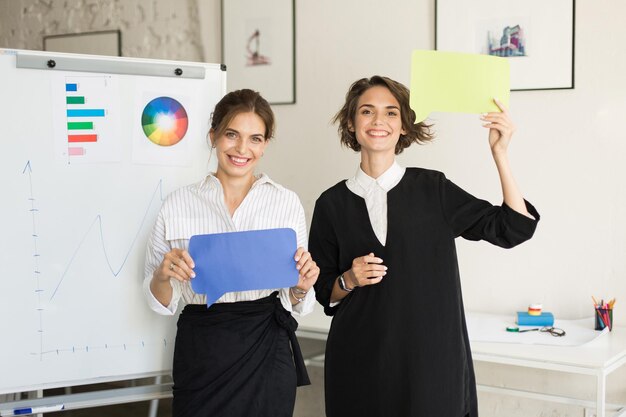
82	138
76	151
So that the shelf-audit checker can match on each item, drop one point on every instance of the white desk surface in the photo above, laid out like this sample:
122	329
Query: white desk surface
607	350
602	352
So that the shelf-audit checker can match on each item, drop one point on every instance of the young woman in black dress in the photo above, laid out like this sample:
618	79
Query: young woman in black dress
384	242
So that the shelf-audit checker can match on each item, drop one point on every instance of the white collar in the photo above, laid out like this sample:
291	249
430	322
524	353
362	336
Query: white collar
387	180
211	181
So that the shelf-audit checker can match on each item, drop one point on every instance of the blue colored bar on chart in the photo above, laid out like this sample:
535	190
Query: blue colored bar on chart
85	113
71	87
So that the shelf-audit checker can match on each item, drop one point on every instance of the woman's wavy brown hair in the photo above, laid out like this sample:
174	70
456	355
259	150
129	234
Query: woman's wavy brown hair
419	133
241	101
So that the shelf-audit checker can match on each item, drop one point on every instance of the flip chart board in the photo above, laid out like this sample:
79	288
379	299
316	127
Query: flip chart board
91	146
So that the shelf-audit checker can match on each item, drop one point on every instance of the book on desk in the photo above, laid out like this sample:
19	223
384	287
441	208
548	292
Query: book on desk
544	319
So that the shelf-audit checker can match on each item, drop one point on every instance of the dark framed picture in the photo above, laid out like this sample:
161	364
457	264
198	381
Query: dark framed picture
258	47
108	42
537	37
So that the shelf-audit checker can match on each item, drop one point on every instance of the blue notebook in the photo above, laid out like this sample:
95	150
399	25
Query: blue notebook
240	261
525	319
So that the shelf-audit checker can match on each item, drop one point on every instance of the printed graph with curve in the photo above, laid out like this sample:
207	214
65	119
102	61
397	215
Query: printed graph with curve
92	234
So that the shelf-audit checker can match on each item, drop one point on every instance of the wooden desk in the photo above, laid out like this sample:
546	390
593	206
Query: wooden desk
598	358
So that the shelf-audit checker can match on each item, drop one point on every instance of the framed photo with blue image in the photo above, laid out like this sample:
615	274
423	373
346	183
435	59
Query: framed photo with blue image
536	36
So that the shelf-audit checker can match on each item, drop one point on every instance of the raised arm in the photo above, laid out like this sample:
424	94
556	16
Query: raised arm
501	129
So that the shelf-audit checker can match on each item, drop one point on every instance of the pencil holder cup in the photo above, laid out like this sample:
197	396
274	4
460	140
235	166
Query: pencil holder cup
604	318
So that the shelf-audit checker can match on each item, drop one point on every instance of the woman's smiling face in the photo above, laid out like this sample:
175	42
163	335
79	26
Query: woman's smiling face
377	123
241	146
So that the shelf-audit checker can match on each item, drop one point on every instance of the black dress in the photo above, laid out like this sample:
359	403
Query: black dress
400	348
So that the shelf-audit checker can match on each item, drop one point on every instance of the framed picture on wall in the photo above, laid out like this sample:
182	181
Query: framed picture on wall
258	47
108	42
536	36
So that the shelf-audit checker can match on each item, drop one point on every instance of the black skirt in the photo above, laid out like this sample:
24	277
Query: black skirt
235	359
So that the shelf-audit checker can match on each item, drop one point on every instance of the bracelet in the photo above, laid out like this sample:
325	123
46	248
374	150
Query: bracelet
298	300
299	291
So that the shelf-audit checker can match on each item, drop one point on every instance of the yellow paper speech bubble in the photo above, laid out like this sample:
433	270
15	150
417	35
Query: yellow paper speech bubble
457	82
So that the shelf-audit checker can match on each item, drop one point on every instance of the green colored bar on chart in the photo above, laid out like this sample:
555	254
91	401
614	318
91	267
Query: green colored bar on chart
79	125
75	100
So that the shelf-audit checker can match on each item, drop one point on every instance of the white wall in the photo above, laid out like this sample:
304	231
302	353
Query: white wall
568	153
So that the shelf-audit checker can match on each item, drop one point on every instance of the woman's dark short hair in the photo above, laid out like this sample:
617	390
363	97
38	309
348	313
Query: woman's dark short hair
415	132
241	101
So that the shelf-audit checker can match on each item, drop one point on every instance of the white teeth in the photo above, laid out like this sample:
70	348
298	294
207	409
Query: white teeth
377	133
239	160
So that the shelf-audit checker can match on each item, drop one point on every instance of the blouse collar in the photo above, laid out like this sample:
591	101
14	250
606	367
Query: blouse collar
211	181
387	180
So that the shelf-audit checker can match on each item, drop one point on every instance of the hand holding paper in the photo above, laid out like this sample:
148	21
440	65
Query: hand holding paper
240	261
500	127
457	82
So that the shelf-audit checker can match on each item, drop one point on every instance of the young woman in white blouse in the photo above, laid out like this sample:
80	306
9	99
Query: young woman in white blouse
234	358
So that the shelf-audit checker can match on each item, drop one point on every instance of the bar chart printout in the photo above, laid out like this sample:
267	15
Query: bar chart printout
90	123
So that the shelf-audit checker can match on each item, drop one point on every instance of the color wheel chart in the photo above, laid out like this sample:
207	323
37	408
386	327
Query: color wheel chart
164	121
90	127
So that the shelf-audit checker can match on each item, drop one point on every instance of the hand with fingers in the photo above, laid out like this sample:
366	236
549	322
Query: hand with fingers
366	270
501	128
308	273
176	264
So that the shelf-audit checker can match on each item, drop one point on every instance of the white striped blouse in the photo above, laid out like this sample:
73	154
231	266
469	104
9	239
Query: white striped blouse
200	209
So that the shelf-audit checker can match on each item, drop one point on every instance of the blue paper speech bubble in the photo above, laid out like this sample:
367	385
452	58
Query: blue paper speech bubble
241	261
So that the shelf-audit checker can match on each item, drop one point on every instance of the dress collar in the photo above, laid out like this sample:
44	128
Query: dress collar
387	180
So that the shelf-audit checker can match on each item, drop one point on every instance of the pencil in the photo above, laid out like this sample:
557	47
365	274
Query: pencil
595	302
601	315
608	319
